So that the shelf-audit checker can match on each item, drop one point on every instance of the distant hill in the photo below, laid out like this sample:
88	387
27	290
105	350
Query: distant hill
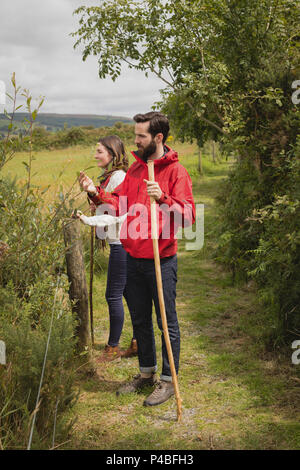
54	122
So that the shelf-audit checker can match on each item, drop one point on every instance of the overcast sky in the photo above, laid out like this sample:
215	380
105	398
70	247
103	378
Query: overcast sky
35	44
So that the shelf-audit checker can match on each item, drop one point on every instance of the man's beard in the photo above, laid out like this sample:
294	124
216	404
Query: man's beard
145	153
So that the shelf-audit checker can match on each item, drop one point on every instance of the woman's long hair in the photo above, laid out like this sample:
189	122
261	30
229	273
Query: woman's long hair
115	147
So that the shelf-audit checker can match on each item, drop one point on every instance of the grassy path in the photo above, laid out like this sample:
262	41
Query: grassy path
235	394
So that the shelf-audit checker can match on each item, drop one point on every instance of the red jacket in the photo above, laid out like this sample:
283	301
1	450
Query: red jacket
176	186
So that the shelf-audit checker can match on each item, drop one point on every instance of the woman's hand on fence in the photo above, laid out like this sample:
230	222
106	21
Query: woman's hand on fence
76	214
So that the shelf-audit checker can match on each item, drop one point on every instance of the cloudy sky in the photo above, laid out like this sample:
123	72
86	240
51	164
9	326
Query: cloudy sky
35	44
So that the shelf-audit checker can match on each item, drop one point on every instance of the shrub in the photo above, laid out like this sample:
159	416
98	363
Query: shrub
34	309
28	285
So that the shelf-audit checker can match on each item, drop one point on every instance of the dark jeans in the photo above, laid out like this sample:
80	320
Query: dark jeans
115	289
141	291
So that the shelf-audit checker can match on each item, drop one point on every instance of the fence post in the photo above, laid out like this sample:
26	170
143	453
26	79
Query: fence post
78	286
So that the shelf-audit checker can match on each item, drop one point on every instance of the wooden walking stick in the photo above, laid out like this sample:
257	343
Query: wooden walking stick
154	236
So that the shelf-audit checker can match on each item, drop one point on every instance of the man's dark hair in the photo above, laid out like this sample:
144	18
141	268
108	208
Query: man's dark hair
158	123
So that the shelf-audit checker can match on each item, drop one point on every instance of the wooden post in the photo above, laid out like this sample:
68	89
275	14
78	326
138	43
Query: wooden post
78	286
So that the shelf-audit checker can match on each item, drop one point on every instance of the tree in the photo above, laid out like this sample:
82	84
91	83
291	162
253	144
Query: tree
153	36
215	57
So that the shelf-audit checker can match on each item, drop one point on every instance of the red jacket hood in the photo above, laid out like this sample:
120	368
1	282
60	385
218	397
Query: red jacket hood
170	157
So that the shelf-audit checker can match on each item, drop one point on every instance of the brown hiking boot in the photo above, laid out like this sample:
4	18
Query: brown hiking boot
110	353
132	350
137	384
163	391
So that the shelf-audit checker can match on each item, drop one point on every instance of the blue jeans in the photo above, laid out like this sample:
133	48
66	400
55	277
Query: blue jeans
115	289
141	291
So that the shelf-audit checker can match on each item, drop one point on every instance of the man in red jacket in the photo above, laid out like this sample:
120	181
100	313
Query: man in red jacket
172	190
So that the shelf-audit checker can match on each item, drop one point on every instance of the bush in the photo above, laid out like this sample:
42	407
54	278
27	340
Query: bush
236	198
37	323
259	238
275	263
28	284
26	350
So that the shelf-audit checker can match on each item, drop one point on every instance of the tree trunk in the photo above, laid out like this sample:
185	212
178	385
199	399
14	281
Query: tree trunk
78	286
200	161
214	151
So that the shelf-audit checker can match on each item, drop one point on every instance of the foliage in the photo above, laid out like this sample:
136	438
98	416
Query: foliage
276	260
25	339
237	195
33	297
215	57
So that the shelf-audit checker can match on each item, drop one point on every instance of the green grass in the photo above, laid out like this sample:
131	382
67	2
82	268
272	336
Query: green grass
236	394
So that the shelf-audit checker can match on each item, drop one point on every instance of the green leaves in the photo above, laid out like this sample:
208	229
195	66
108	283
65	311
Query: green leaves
209	53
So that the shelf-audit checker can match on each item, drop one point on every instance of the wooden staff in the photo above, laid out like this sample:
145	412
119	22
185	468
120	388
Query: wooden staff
154	236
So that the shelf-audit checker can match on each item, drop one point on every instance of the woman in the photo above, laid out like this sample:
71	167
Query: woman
111	156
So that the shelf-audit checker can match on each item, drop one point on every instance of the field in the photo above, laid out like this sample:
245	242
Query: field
59	167
236	394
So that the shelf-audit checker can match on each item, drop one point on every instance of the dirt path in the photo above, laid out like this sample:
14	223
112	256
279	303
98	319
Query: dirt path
235	394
